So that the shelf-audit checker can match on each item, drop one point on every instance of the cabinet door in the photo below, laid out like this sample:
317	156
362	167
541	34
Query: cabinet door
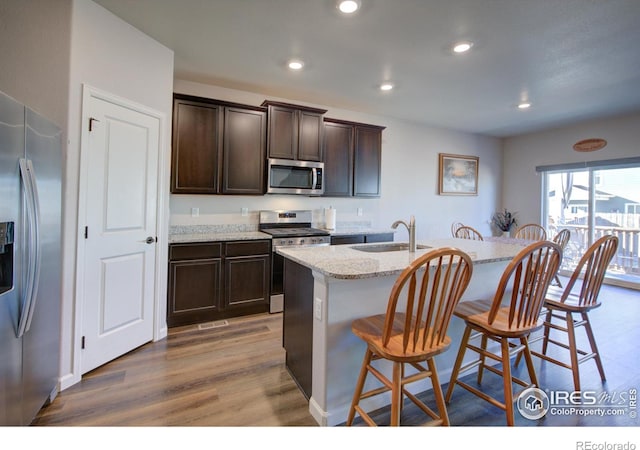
310	136
247	282
367	160
197	137
194	291
283	132
244	151
338	159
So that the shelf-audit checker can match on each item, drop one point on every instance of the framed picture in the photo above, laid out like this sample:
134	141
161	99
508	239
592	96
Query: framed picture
458	175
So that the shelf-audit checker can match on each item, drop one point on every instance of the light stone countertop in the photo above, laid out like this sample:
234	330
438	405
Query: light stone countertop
211	233
345	262
212	237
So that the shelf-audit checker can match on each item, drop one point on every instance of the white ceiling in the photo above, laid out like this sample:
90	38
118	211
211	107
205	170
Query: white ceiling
573	59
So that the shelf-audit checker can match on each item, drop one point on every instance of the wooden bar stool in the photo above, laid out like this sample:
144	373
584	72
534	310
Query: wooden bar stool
531	232
454	227
466	232
511	314
431	286
578	297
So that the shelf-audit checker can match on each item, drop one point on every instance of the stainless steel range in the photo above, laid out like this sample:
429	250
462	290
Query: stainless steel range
288	229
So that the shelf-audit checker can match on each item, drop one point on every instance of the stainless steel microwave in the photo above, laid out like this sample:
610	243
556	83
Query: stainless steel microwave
286	176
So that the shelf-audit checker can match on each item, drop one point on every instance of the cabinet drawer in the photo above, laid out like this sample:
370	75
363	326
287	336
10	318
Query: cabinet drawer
194	251
247	248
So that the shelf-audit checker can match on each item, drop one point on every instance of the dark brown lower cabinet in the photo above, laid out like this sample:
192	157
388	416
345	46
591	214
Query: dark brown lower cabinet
247	276
217	280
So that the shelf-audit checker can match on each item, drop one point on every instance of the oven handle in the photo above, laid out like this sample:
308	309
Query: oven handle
324	244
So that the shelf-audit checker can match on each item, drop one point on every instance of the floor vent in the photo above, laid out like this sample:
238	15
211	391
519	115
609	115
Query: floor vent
216	324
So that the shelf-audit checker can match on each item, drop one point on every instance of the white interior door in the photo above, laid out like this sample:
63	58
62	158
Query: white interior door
120	235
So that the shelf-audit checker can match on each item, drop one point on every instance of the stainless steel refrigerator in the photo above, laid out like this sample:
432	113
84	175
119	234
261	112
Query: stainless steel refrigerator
30	261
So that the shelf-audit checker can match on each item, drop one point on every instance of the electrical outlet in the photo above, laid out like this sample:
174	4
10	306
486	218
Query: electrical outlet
317	308
244	211
359	212
195	212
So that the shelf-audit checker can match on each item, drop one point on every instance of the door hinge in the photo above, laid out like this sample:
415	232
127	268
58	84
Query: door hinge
82	345
91	120
86	232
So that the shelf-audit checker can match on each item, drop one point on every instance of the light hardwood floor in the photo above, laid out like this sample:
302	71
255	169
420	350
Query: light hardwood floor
235	376
227	376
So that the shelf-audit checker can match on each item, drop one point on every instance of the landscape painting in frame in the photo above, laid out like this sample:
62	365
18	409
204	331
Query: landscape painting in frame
458	175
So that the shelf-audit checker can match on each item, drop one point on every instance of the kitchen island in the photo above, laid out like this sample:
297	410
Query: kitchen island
326	288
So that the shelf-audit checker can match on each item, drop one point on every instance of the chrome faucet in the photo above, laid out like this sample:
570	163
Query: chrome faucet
412	231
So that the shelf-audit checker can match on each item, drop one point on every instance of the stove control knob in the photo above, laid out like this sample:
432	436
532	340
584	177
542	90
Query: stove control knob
290	242
301	241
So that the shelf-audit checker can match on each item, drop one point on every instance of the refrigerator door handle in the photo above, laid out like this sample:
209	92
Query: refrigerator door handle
32	244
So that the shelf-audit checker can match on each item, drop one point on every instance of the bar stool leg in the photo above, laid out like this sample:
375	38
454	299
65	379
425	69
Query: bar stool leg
437	392
458	363
529	360
547	328
483	346
594	347
396	394
506	375
359	385
573	350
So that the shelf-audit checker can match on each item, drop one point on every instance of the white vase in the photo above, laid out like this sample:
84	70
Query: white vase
506	234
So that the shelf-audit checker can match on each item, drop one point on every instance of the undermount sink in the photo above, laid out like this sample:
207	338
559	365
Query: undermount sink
390	247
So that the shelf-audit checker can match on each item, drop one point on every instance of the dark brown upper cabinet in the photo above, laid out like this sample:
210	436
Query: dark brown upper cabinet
338	159
294	132
197	139
367	161
218	147
352	159
243	151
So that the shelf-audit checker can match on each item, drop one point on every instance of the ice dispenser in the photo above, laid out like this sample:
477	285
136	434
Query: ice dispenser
6	256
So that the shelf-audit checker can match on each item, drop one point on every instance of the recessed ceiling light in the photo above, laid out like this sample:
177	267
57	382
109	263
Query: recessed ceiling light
462	47
524	105
386	86
295	64
349	6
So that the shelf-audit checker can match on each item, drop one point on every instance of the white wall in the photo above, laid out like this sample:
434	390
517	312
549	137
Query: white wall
523	187
110	55
409	177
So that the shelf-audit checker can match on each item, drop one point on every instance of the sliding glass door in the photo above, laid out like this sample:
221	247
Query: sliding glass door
592	202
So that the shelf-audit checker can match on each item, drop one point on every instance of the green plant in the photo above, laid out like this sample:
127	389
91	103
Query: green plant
504	220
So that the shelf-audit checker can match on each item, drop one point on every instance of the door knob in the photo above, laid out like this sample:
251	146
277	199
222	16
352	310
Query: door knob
150	240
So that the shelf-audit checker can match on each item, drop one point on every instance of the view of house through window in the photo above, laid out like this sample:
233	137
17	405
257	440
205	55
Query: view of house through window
594	202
